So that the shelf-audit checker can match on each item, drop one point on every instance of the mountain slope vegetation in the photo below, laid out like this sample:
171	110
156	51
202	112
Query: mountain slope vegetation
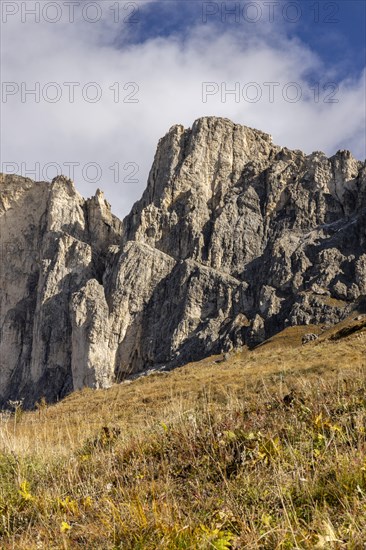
257	449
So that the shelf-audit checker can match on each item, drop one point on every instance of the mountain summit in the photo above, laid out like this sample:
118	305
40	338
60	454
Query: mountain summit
233	240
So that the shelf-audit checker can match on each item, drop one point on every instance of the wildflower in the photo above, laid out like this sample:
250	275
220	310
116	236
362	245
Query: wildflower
24	491
65	527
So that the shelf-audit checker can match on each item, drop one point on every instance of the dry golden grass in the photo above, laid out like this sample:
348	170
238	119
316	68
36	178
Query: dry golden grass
265	449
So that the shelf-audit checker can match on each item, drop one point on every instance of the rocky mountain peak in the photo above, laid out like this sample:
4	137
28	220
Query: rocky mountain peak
234	239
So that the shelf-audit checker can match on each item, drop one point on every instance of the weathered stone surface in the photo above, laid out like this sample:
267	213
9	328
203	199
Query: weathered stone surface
234	239
52	244
310	337
90	358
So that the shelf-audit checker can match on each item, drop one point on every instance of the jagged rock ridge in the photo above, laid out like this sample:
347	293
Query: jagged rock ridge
234	239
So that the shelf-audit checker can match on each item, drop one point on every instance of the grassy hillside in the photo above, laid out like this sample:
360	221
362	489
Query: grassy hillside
264	449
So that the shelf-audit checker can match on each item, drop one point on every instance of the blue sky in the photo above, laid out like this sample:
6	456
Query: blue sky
341	43
335	30
163	61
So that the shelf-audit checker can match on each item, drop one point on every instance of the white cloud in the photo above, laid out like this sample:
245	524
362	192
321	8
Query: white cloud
169	73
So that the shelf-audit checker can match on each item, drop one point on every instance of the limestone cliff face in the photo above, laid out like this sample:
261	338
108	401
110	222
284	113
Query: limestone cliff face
53	243
234	239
